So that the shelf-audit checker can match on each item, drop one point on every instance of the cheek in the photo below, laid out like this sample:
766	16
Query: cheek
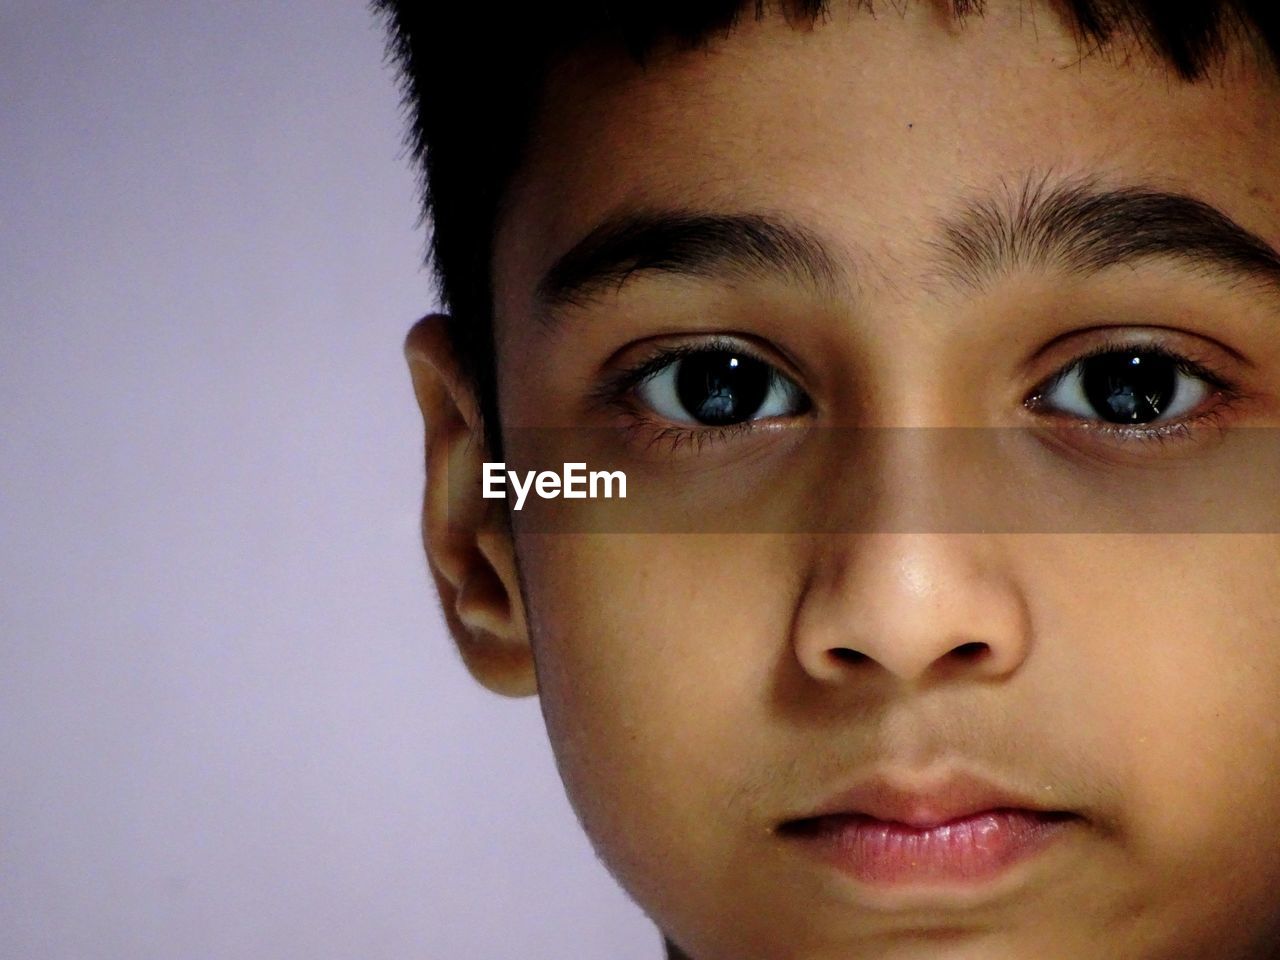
1181	641
654	658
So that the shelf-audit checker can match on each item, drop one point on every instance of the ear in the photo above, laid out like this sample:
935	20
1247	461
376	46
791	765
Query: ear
467	539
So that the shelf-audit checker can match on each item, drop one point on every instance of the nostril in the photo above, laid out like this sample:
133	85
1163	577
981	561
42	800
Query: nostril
846	655
970	651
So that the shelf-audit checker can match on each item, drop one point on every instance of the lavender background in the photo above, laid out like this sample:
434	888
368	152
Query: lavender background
231	725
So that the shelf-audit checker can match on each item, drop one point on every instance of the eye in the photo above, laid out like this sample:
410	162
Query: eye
718	387
1133	386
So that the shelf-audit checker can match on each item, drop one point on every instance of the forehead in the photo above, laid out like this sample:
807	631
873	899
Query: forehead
869	128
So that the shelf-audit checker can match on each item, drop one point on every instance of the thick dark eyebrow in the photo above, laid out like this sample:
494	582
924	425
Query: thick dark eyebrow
1083	228
681	243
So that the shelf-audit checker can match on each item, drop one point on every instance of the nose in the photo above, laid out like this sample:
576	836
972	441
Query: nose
918	606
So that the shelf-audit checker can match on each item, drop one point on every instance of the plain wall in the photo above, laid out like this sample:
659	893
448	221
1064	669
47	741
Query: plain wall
231	724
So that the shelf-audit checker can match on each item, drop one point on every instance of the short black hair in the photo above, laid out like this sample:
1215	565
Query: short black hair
471	77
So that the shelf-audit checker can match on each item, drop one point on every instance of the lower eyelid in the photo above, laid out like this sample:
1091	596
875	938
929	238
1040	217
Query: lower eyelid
648	433
1207	426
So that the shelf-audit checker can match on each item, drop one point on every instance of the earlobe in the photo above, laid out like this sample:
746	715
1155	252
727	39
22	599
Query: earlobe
467	539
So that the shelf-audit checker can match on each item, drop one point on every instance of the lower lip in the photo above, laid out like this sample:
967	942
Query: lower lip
968	849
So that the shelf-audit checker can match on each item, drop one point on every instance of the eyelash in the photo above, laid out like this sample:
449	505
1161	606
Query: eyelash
617	392
1226	393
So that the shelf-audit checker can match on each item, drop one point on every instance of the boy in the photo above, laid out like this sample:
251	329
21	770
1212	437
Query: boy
686	239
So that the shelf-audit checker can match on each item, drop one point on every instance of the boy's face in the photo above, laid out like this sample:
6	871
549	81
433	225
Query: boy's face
708	695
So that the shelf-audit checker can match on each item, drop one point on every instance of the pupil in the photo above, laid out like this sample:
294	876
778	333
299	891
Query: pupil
1129	387
720	388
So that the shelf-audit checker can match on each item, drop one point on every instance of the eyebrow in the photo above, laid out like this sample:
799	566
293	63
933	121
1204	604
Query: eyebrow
1084	228
683	243
1075	225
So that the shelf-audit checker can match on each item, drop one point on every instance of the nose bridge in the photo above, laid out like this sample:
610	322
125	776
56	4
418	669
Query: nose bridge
921	478
904	597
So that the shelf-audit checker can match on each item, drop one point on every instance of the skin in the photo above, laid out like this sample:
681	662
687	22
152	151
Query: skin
699	687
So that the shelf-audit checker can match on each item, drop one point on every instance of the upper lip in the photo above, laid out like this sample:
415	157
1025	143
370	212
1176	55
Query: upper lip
925	801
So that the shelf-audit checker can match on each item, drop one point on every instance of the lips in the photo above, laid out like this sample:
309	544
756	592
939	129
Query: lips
956	830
